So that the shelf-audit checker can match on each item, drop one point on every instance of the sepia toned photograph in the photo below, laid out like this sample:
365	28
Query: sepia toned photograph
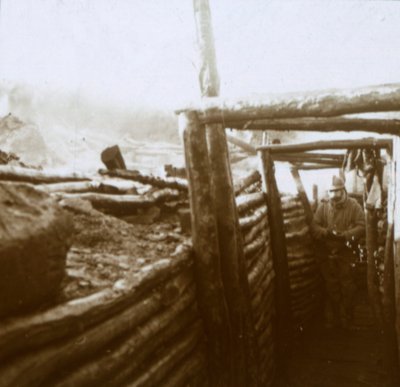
199	193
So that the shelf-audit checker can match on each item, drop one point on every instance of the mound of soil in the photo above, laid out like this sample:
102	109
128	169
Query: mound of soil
106	249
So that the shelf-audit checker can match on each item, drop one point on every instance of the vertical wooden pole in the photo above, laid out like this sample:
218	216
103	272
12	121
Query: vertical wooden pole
279	253
302	194
315	196
244	354
391	285
211	298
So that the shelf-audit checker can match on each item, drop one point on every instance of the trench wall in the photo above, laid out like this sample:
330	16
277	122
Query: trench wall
305	280
144	331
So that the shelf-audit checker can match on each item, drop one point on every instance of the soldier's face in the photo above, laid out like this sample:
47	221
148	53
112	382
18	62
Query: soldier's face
336	195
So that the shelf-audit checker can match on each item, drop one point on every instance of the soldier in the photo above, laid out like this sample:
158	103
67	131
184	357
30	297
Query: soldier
337	222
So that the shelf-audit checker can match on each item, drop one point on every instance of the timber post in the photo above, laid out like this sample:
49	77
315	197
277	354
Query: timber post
302	194
280	261
211	295
230	244
392	265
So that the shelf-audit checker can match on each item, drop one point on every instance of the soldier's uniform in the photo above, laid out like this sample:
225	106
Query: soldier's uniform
336	223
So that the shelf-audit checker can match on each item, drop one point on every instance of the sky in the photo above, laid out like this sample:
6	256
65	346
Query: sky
142	52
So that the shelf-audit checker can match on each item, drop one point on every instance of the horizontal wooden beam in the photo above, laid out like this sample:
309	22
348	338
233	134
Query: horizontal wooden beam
329	144
326	103
310	167
321	124
309	157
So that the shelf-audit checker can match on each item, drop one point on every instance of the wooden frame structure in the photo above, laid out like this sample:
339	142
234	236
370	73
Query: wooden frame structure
222	286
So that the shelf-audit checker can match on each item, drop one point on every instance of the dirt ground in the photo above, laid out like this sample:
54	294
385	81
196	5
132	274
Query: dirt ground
106	249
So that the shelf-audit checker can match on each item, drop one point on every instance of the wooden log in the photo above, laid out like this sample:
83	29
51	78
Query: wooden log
301	160
211	295
105	366
252	233
247	147
303	196
254	247
308	156
244	370
312	104
331	124
249	201
168	182
329	144
123	203
251	220
391	350
261	267
132	365
167	359
71	187
32	369
279	254
190	369
34	176
313	167
247	181
57	323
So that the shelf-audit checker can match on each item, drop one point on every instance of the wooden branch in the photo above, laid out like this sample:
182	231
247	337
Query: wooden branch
327	103
331	124
34	176
329	144
247	181
70	318
280	259
71	187
211	296
249	201
247	147
168	182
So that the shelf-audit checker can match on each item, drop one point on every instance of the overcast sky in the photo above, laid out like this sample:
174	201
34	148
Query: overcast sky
142	51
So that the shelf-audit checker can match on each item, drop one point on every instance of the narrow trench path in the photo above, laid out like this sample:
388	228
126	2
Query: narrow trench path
324	357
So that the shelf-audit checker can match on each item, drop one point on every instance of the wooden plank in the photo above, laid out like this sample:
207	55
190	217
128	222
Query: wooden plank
211	297
325	103
330	124
279	253
247	181
329	144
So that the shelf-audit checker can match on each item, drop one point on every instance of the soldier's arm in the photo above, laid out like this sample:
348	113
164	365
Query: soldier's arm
317	227
357	229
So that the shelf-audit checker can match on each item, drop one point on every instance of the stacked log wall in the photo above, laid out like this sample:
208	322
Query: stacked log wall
144	331
254	228
304	276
